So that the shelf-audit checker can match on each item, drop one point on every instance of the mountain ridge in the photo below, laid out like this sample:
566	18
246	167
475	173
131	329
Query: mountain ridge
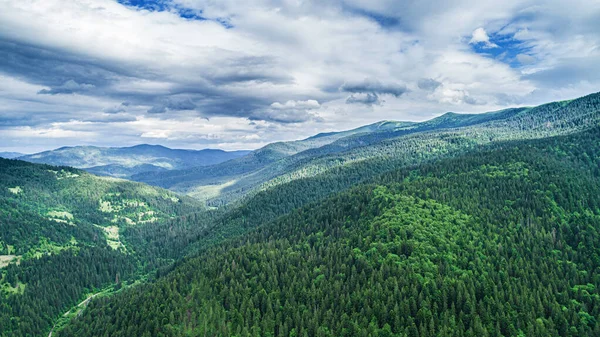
282	161
125	161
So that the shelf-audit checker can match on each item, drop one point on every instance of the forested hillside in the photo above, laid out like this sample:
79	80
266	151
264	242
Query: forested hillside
499	241
63	235
465	225
391	141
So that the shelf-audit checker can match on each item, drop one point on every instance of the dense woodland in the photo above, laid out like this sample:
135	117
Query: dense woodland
494	243
465	225
55	225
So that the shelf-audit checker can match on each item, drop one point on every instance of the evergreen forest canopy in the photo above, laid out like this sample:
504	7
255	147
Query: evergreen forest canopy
465	225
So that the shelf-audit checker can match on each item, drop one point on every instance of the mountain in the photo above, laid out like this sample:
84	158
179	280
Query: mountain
282	162
497	241
123	162
464	225
65	233
10	155
208	182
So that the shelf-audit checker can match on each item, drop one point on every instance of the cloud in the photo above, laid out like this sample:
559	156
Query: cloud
525	59
117	108
308	104
288	112
428	84
69	87
173	104
366	99
373	86
480	36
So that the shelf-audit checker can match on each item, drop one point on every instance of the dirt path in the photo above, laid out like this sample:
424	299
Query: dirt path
83	303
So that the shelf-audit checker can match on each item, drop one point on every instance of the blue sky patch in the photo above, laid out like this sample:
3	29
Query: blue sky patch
169	6
388	22
154	6
506	50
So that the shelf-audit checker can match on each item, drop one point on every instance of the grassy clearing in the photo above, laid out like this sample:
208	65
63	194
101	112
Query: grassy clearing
15	190
6	259
47	247
170	197
112	237
66	175
205	192
128	211
62	174
60	215
7	289
106	207
62	221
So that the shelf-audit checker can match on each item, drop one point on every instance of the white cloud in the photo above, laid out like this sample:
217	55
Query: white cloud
308	104
480	36
525	59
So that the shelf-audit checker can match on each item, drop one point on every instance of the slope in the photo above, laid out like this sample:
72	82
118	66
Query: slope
496	242
62	234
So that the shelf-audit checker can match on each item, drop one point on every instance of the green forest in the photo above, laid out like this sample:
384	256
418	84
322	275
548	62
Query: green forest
499	242
465	225
60	239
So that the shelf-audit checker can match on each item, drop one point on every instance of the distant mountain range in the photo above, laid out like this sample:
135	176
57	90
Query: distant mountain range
220	177
258	166
380	144
123	162
10	155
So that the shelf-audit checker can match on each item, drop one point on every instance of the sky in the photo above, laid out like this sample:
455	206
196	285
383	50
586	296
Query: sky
241	74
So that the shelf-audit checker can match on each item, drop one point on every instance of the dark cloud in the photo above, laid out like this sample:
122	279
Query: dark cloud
7	120
181	104
367	99
65	72
261	69
473	101
54	67
159	109
374	87
117	109
428	84
173	104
